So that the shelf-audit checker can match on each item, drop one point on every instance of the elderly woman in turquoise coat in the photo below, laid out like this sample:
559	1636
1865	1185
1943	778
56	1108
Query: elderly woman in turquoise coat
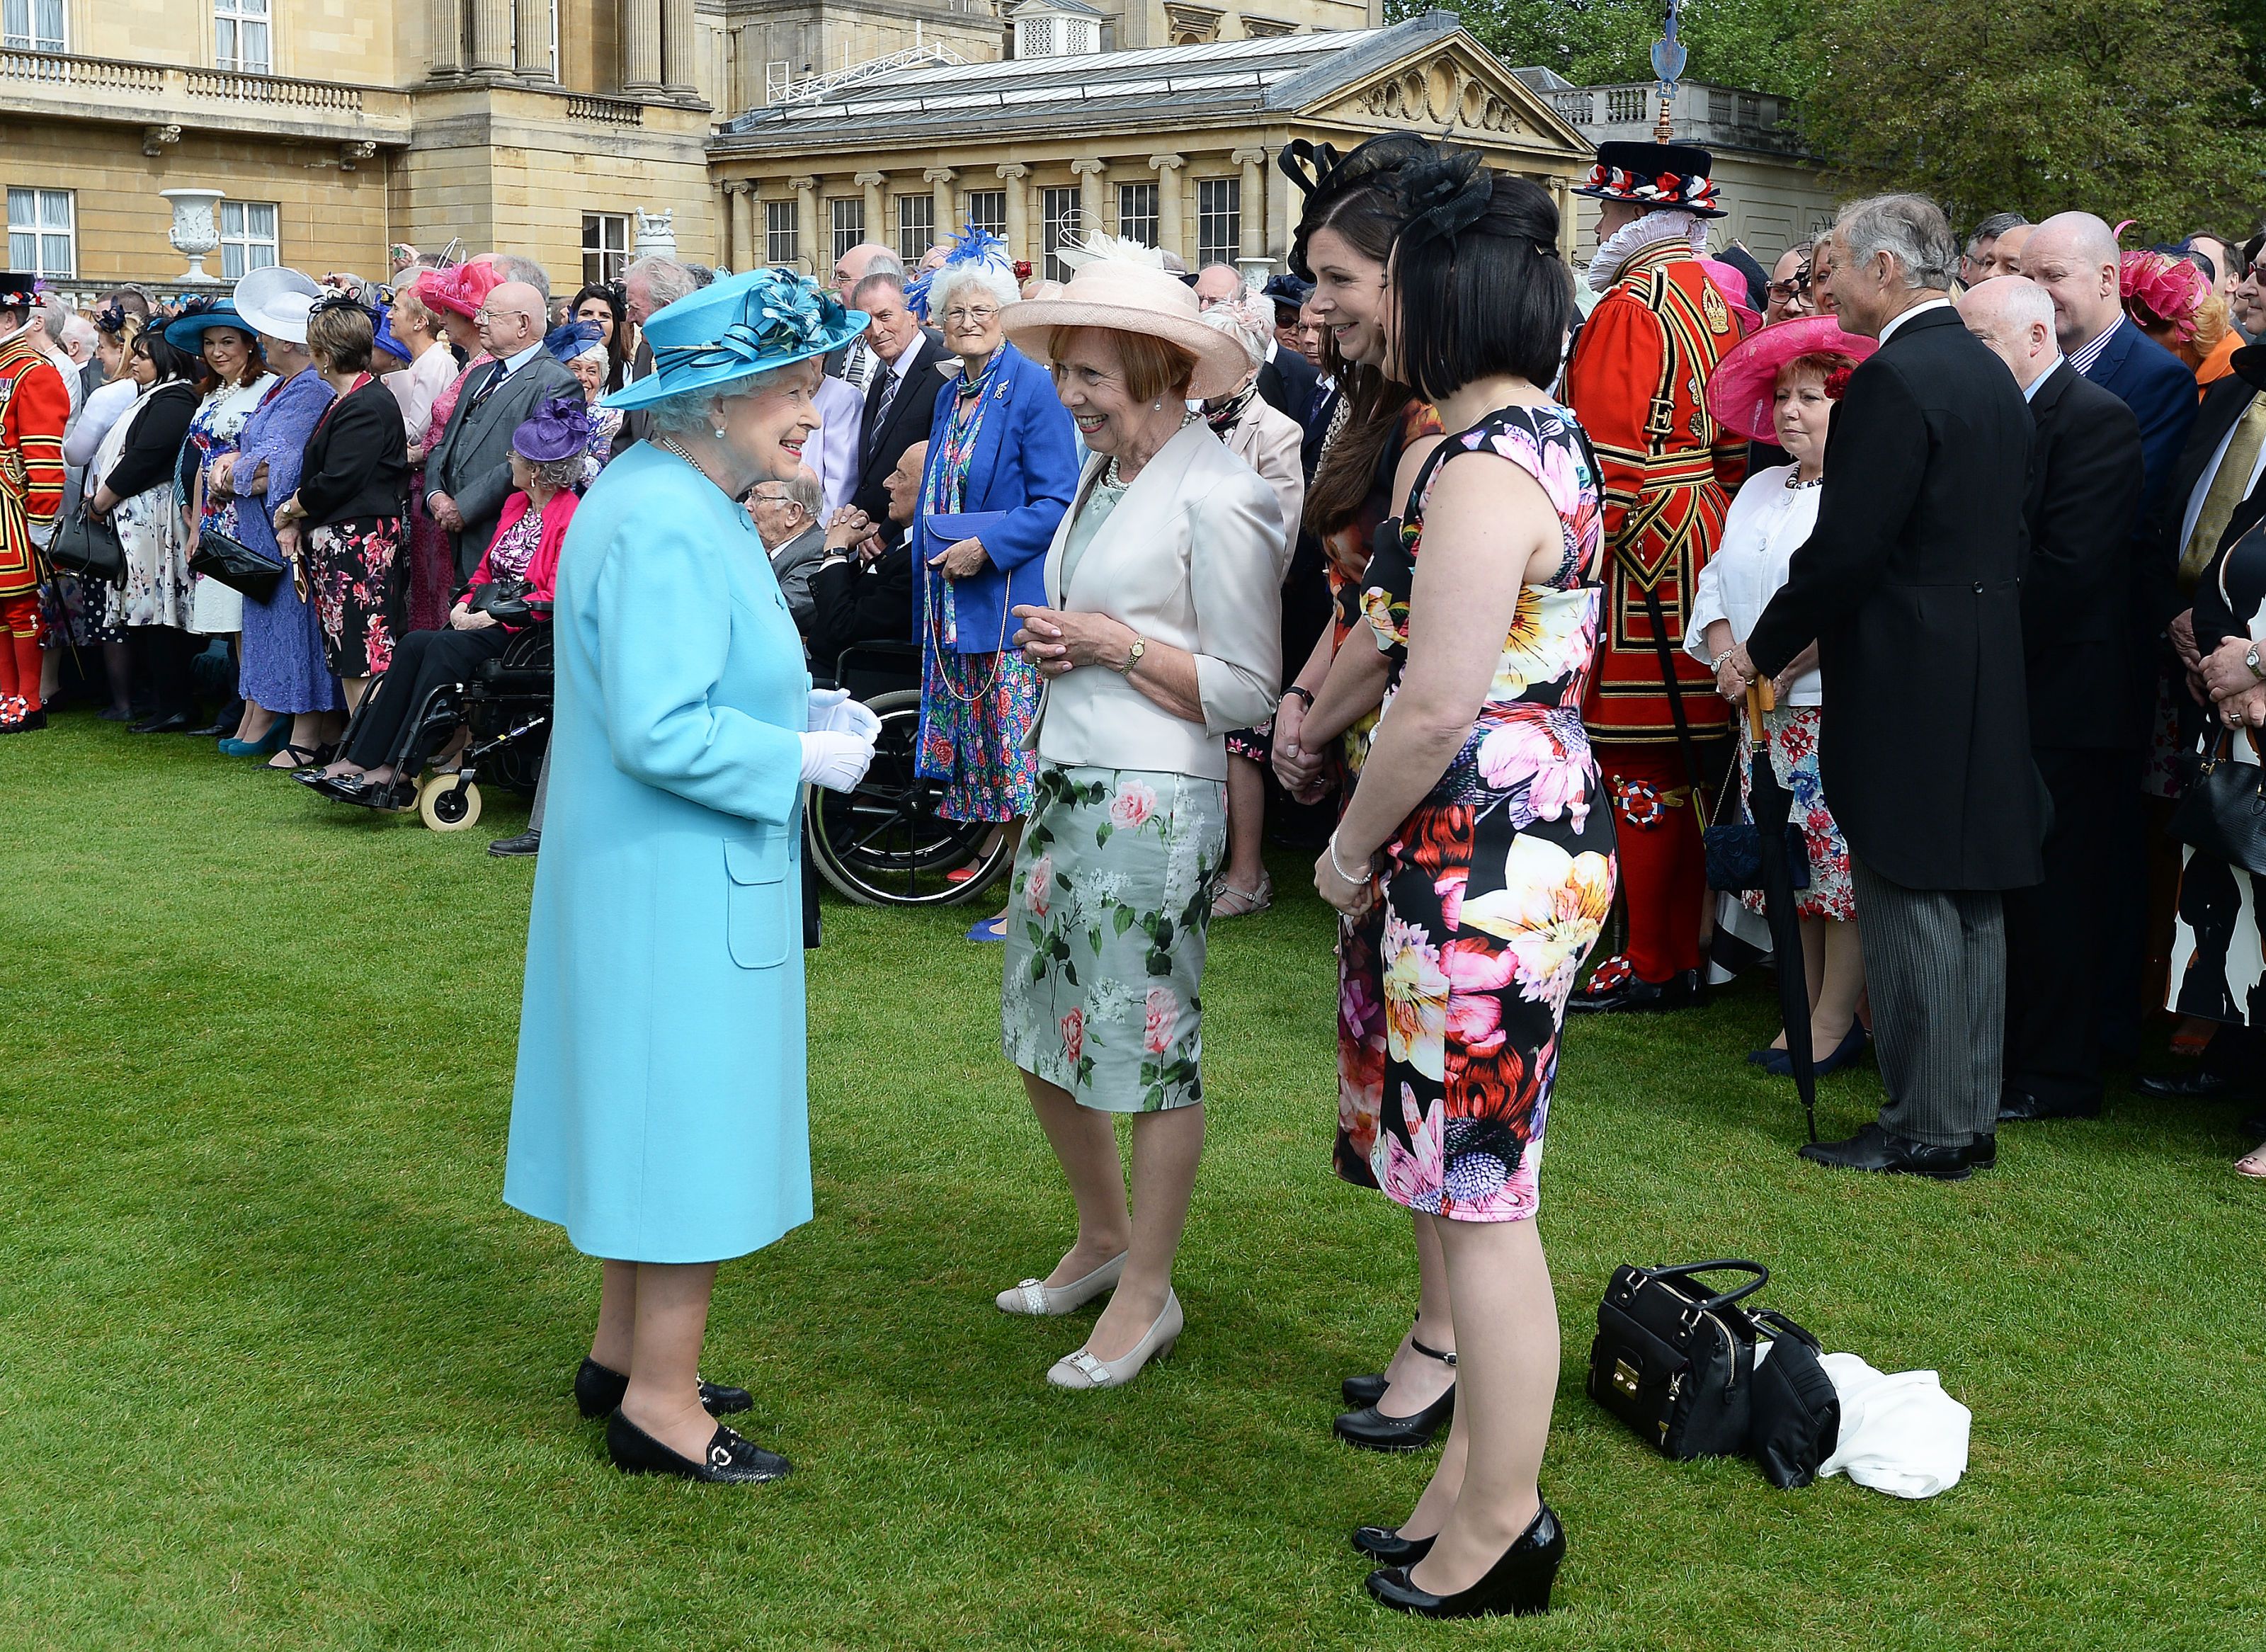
659	1114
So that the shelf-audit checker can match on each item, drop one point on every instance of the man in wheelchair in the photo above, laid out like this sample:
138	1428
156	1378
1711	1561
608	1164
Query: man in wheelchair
391	736
862	589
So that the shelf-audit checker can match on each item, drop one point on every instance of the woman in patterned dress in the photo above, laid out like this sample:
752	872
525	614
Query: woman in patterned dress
1322	726
1780	385
1477	828
131	484
1001	464
1161	632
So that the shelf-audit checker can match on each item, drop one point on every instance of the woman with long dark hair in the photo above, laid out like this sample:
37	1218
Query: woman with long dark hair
1479	830
133	488
1384	431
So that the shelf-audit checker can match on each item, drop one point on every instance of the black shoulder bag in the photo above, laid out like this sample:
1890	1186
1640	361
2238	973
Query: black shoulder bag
235	564
1795	1417
88	548
1676	1361
2223	811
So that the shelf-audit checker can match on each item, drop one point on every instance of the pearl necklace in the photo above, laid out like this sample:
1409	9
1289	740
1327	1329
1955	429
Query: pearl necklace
1115	483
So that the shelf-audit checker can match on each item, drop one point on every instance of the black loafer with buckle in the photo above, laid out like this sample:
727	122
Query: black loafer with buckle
730	1459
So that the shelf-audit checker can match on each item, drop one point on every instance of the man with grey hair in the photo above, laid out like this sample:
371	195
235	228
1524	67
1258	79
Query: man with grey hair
2073	256
854	362
2088	696
651	284
513	267
1911	586
1975	263
788	520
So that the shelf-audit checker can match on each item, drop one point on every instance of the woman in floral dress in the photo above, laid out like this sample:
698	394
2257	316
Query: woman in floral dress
131	483
241	381
1477	828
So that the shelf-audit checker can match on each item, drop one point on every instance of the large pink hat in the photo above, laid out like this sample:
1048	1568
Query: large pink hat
461	290
1123	287
1743	389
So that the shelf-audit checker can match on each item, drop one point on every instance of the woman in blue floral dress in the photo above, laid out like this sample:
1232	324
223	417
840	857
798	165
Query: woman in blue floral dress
1478	825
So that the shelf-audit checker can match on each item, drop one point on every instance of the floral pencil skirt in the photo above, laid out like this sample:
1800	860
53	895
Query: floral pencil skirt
1791	733
358	578
1106	921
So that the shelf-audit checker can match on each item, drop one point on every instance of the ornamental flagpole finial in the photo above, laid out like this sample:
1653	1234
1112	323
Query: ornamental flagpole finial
1667	58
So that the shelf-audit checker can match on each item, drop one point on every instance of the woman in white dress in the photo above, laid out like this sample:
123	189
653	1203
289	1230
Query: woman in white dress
1780	385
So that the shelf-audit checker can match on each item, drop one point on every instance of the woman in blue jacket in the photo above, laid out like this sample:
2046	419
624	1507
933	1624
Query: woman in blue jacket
659	1114
1001	465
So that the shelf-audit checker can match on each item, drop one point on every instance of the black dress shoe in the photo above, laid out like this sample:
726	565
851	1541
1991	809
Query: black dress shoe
214	731
1517	1585
1983	1152
527	842
2201	1085
731	1460
1636	995
1364	1390
1371	1430
2019	1107
1874	1149
25	724
174	723
1383	1543
598	1391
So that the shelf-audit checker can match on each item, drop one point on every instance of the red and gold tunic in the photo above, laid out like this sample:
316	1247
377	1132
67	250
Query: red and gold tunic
34	407
1638	383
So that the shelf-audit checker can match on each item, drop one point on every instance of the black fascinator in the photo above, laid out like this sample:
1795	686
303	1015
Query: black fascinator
1443	195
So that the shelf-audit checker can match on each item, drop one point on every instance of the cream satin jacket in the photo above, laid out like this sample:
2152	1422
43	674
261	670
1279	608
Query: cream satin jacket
1187	558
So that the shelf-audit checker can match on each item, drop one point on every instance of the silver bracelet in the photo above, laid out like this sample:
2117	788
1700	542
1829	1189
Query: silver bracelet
1338	865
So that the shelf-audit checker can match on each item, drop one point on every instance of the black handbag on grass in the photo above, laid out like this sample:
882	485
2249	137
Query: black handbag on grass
89	549
235	565
2223	811
1675	1360
1796	1420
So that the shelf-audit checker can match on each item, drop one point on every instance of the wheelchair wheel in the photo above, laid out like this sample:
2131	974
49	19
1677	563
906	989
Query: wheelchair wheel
884	844
447	807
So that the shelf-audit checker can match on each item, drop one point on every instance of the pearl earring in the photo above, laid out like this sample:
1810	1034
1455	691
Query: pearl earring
1156	406
719	433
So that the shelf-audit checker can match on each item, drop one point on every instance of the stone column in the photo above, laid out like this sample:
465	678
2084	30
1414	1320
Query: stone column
939	180
1092	185
878	227
747	248
805	221
1251	204
1168	203
678	56
448	36
1019	211
490	36
532	51
641	46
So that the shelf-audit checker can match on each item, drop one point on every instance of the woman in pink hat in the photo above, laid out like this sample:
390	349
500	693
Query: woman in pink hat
1780	385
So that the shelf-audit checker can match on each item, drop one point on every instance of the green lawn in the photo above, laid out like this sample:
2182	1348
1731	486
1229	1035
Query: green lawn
278	1368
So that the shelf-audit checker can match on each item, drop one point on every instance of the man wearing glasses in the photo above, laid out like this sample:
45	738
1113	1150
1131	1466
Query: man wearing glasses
468	471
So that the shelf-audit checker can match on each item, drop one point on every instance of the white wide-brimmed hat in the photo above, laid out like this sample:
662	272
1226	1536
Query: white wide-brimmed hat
1124	287
275	300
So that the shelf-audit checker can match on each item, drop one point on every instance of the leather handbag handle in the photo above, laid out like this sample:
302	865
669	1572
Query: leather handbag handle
1687	1269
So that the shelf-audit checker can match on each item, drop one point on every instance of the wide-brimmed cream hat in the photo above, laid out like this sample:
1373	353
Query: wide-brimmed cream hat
275	300
1117	286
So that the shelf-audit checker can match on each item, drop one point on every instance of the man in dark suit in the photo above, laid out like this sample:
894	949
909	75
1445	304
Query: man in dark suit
862	590
2073	256
2083	680
468	471
900	393
1911	586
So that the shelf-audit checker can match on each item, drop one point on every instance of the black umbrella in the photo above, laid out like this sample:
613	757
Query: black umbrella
1769	804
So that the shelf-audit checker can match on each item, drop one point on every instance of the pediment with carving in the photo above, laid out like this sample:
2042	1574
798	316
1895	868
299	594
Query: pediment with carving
1450	89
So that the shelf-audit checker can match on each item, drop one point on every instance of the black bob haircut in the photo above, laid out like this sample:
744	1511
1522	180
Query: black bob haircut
1493	297
171	361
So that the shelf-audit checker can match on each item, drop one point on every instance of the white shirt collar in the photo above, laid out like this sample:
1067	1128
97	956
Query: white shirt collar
1889	331
2030	391
513	364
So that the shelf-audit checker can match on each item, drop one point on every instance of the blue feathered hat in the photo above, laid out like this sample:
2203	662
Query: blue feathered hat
740	326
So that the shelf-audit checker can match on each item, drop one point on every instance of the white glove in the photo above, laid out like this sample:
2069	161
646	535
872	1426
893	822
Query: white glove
836	761
833	711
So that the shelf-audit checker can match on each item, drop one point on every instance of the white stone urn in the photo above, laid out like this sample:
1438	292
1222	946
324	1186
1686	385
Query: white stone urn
656	233
195	233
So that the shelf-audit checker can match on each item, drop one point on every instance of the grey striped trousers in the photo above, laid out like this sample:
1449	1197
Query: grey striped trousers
1935	967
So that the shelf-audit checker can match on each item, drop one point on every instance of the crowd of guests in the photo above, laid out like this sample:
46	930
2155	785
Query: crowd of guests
1173	552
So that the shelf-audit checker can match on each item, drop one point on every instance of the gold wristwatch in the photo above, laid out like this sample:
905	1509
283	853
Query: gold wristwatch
1133	656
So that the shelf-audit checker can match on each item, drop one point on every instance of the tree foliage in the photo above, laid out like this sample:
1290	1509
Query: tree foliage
2129	108
1756	44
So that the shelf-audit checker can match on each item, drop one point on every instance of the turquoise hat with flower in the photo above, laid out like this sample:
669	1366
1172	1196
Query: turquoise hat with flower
738	326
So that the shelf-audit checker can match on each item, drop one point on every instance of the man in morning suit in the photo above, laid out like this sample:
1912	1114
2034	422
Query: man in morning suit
900	394
1911	586
2082	673
468	471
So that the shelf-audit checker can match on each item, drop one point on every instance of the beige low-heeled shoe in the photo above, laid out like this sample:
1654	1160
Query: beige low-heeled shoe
1046	1302
1082	1370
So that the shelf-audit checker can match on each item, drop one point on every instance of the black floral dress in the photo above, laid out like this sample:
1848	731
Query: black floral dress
1495	887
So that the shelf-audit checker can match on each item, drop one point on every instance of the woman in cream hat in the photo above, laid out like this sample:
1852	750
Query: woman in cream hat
1160	632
